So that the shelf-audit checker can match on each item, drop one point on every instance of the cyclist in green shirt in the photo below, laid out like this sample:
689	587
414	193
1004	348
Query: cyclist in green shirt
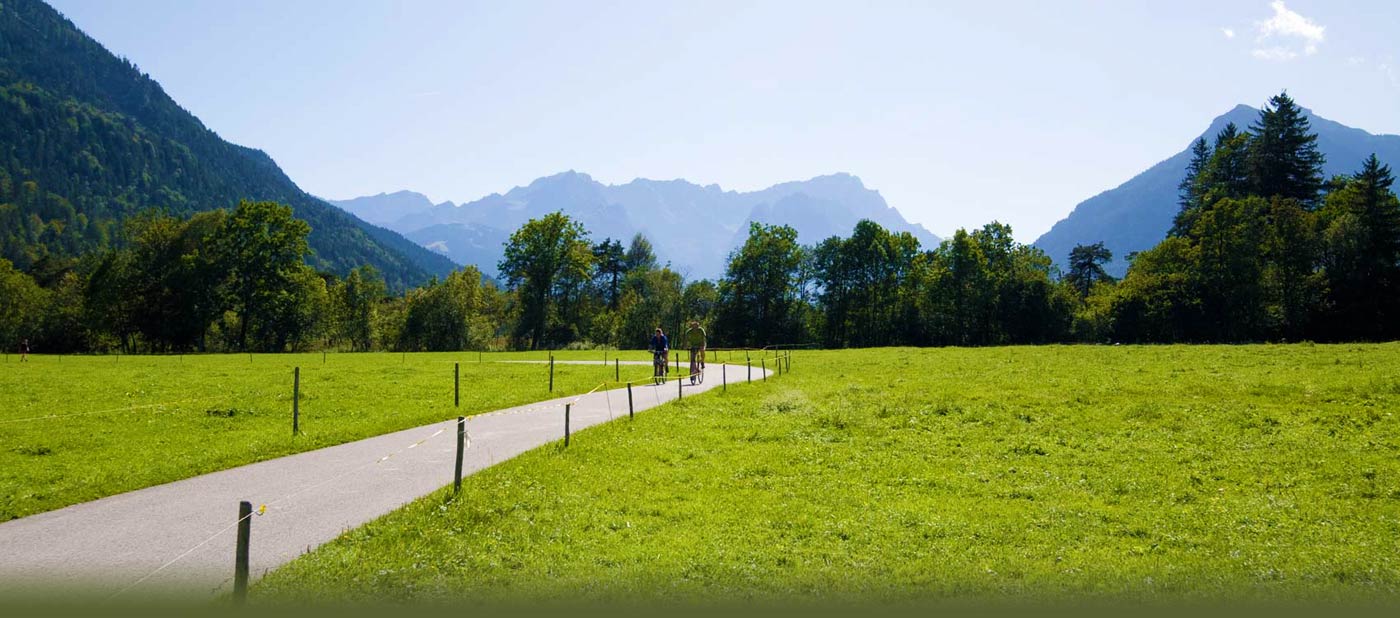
695	340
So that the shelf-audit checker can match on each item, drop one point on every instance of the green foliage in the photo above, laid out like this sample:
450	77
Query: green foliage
1161	474
21	306
1086	267
651	298
1250	259
354	302
1360	236
454	314
986	289
759	295
548	262
1283	158
264	246
867	286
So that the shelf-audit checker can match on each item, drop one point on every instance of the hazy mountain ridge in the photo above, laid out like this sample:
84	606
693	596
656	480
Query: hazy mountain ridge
1136	215
694	227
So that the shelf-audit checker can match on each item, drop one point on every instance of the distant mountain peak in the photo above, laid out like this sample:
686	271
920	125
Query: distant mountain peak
1136	214
692	226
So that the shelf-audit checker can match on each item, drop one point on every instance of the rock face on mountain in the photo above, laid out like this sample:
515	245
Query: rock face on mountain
1137	214
693	227
89	141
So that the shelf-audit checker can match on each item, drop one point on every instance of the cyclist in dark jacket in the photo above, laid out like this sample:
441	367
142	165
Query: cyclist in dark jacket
660	346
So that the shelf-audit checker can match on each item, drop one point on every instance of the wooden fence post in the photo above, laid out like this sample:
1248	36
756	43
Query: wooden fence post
461	439
240	553
296	400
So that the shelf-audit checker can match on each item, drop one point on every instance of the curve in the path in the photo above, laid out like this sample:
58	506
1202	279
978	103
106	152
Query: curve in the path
128	544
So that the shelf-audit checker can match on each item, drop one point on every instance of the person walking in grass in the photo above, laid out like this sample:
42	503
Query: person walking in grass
24	351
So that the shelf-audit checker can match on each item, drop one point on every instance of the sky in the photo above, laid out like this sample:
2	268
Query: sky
958	113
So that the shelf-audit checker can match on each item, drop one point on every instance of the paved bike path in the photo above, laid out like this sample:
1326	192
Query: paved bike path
124	545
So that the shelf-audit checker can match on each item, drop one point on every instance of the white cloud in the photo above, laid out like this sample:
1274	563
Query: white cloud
1291	34
1274	53
1228	32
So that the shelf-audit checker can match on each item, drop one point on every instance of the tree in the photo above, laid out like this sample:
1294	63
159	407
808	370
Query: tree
1191	191
22	304
640	255
178	273
264	246
759	294
652	298
546	261
698	301
1158	299
860	282
447	315
1283	157
355	300
1360	255
1227	174
1086	267
609	257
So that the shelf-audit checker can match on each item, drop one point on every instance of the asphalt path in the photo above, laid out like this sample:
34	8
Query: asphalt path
177	540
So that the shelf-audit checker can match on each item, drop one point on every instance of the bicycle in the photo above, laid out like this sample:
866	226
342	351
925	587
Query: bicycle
658	366
697	366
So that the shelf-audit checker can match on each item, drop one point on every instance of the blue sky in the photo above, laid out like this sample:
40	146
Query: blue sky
959	113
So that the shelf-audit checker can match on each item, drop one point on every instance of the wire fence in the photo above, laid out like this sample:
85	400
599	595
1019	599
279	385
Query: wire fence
608	387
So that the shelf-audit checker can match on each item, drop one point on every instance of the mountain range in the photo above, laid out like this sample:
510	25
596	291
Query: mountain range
88	141
1137	214
692	226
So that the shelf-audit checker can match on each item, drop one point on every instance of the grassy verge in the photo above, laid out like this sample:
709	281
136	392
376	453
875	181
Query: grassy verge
77	428
1048	473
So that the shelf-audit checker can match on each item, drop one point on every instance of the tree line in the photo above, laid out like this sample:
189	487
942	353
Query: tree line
1262	249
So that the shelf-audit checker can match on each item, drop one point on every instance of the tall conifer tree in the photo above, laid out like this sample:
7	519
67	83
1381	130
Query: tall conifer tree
1283	157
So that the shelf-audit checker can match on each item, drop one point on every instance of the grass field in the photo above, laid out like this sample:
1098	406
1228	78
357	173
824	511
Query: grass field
77	428
1046	473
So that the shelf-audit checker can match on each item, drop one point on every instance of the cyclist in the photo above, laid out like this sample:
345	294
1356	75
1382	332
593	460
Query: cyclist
659	347
695	340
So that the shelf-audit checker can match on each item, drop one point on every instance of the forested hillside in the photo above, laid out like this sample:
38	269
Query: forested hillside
87	141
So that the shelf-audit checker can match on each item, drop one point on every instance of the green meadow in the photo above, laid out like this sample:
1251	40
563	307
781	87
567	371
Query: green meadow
78	428
1161	473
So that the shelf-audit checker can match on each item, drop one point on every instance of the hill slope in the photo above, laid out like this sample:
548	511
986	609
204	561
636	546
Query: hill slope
694	227
1137	214
87	141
